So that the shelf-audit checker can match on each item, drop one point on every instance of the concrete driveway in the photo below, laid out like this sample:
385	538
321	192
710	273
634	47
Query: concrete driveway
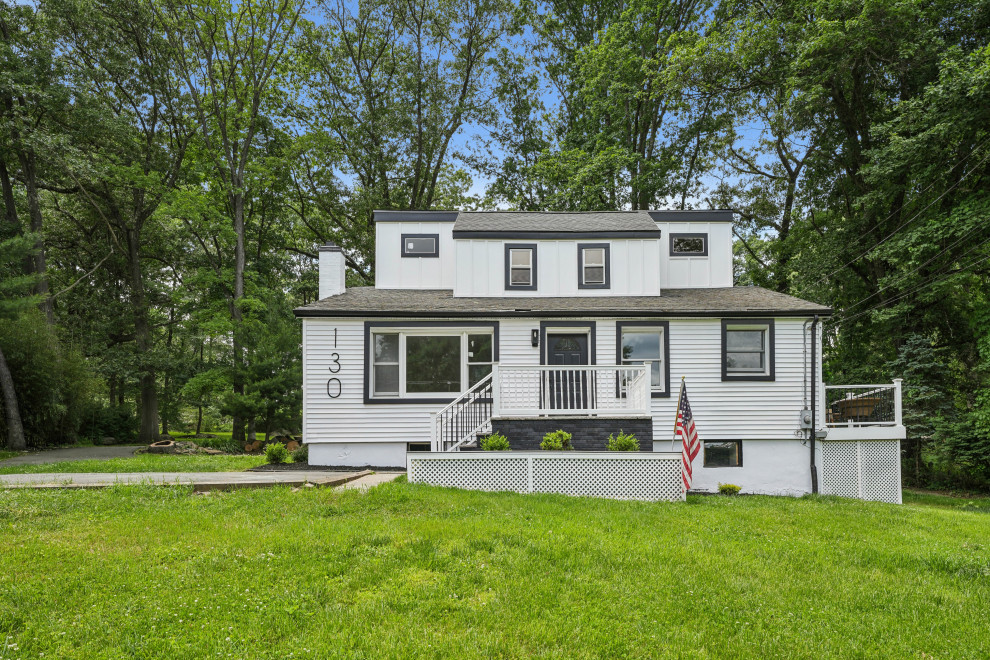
71	454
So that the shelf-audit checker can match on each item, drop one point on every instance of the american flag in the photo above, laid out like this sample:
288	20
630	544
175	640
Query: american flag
685	429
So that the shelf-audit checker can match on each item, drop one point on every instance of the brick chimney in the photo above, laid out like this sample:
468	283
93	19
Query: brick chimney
331	271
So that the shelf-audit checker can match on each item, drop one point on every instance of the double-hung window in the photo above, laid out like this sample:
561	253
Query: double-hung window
427	363
520	266
593	266
640	342
747	349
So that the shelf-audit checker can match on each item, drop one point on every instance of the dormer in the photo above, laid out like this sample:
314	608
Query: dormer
537	254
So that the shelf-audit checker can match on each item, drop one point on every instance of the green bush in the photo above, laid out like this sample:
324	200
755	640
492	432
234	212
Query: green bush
301	454
729	489
495	442
556	441
623	442
276	453
224	443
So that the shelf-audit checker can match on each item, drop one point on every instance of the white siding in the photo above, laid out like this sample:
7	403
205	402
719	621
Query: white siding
393	271
715	270
723	411
634	268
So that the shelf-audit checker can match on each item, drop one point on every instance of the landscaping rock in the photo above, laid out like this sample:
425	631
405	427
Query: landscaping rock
162	447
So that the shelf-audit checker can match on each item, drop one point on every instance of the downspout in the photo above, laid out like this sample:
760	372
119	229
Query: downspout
814	403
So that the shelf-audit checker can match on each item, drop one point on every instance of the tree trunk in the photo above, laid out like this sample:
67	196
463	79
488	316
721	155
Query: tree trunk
199	419
237	434
148	391
40	265
252	434
11	225
12	415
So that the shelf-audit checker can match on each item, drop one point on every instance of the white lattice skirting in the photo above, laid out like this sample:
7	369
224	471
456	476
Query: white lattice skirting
865	469
619	476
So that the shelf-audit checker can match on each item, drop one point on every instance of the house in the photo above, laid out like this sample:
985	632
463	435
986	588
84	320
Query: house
522	323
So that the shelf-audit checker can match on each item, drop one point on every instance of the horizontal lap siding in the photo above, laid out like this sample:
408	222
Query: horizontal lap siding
733	410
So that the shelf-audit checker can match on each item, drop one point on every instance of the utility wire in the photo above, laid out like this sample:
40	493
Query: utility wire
916	215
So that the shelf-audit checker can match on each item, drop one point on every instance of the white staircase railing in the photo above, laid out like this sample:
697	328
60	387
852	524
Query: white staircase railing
463	419
555	390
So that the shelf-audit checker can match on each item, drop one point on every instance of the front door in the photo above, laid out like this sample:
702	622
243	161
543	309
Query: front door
566	389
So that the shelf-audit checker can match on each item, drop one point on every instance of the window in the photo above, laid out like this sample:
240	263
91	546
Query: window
520	266
428	362
747	349
689	245
420	245
593	266
645	341
723	453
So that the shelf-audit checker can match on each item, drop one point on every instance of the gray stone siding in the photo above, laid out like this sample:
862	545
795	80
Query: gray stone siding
590	433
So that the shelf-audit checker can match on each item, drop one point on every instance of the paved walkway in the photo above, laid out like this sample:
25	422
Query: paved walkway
72	454
200	481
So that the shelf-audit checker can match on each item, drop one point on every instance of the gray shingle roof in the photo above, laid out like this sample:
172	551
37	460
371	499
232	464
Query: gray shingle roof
433	303
516	222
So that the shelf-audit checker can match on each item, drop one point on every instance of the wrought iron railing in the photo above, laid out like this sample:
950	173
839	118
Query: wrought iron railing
863	405
463	419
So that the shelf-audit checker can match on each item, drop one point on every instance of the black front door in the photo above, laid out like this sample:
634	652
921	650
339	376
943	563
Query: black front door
566	389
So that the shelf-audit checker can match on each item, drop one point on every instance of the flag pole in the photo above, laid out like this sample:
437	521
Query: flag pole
677	412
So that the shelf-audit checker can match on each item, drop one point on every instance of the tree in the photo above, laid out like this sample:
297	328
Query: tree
14	300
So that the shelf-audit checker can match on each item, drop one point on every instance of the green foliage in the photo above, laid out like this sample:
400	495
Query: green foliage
729	489
495	442
301	454
623	442
556	441
275	452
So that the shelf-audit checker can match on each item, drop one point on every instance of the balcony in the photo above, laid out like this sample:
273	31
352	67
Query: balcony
586	390
864	412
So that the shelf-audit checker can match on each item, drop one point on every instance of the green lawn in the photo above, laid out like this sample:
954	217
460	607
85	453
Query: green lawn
413	571
145	463
6	453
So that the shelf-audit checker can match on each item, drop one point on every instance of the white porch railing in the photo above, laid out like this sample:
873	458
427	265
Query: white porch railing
853	406
553	390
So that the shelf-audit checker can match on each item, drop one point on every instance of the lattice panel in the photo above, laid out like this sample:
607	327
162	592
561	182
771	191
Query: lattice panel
492	474
840	469
880	464
632	479
864	469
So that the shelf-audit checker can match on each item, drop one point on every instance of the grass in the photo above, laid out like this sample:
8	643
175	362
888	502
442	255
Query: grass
6	453
146	463
409	571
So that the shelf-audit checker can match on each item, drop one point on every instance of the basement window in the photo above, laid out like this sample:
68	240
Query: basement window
723	453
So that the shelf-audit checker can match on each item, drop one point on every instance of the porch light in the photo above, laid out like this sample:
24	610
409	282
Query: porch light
535	338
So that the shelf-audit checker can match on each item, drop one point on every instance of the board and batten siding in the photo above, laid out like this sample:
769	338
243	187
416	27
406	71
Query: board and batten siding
634	268
714	270
393	271
745	410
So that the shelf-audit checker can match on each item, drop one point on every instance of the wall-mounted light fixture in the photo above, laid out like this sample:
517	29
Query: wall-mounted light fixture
536	338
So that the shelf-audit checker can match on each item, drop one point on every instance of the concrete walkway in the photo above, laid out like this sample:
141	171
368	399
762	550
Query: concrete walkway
200	481
72	454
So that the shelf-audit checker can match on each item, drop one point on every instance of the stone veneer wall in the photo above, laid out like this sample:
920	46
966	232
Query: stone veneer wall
590	433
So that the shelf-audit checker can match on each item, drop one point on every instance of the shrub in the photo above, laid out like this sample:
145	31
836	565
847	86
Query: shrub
729	489
556	441
624	442
301	454
276	453
495	442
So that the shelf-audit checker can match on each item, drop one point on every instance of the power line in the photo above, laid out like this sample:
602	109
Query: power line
915	270
933	280
916	215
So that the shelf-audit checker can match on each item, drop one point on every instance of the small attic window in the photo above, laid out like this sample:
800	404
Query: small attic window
689	245
420	245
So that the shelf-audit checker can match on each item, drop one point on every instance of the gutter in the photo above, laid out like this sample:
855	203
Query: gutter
545	313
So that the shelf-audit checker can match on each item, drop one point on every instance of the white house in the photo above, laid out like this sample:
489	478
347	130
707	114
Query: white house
523	323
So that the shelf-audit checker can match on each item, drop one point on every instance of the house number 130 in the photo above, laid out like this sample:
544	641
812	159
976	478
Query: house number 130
334	387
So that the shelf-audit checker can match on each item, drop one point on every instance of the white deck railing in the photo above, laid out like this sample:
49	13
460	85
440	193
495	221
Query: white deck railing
856	406
523	391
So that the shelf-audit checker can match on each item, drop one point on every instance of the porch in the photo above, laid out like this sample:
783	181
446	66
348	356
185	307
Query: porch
542	392
864	412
